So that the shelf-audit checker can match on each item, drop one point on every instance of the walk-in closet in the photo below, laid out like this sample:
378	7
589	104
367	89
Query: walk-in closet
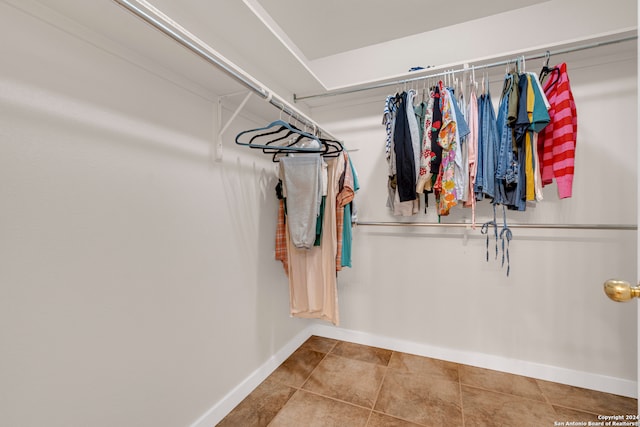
271	213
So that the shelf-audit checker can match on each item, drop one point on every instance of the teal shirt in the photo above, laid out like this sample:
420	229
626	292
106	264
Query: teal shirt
347	232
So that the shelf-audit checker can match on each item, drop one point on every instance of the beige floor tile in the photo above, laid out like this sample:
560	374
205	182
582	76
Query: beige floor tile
501	382
363	353
424	366
421	399
347	379
588	400
296	369
329	382
381	420
310	410
260	407
484	408
319	344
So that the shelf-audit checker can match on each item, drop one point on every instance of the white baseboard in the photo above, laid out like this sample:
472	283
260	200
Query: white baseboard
607	384
218	411
587	380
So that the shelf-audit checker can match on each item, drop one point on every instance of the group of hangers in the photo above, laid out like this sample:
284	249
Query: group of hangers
281	138
518	66
450	79
479	87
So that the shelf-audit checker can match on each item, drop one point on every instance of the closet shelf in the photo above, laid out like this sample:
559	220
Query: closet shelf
154	17
466	67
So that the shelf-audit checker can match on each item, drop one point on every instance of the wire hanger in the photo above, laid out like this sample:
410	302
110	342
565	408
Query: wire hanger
277	132
473	79
546	70
424	90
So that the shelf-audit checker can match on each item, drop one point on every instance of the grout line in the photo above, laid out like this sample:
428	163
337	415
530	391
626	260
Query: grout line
313	370
335	344
335	399
398	417
546	399
361	407
461	400
300	389
384	377
283	406
369	417
575	409
505	393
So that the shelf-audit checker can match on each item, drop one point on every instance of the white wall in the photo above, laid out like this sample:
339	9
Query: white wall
136	282
137	285
433	287
506	34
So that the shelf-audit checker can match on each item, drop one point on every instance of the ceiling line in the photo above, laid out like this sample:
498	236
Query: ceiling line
280	34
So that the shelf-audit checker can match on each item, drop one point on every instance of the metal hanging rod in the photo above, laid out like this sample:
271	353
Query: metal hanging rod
468	225
166	25
465	68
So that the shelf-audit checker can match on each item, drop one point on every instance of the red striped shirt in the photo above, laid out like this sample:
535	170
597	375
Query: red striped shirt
557	141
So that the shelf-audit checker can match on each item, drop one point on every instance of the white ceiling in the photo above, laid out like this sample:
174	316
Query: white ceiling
328	27
310	46
347	43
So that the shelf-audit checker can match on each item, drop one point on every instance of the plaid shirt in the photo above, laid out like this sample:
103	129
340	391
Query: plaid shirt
281	238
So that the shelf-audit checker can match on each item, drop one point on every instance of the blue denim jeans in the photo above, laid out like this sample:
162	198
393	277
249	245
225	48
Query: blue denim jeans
487	146
508	171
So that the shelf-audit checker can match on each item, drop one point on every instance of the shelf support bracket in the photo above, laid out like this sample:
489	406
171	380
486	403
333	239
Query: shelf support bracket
223	128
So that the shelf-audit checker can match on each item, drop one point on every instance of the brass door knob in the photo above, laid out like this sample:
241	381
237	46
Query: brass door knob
621	291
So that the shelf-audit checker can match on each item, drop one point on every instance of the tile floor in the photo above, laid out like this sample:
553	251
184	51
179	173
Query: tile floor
336	383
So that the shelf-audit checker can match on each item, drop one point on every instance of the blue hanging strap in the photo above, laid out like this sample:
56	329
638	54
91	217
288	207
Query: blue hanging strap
505	235
485	230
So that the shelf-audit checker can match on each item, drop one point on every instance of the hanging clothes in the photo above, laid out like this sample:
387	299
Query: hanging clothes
312	272
460	175
414	133
507	173
557	143
387	121
445	184
538	118
472	149
302	179
401	123
350	219
420	111
346	193
487	146
281	236
403	146
467	154
425	183
436	149
518	169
